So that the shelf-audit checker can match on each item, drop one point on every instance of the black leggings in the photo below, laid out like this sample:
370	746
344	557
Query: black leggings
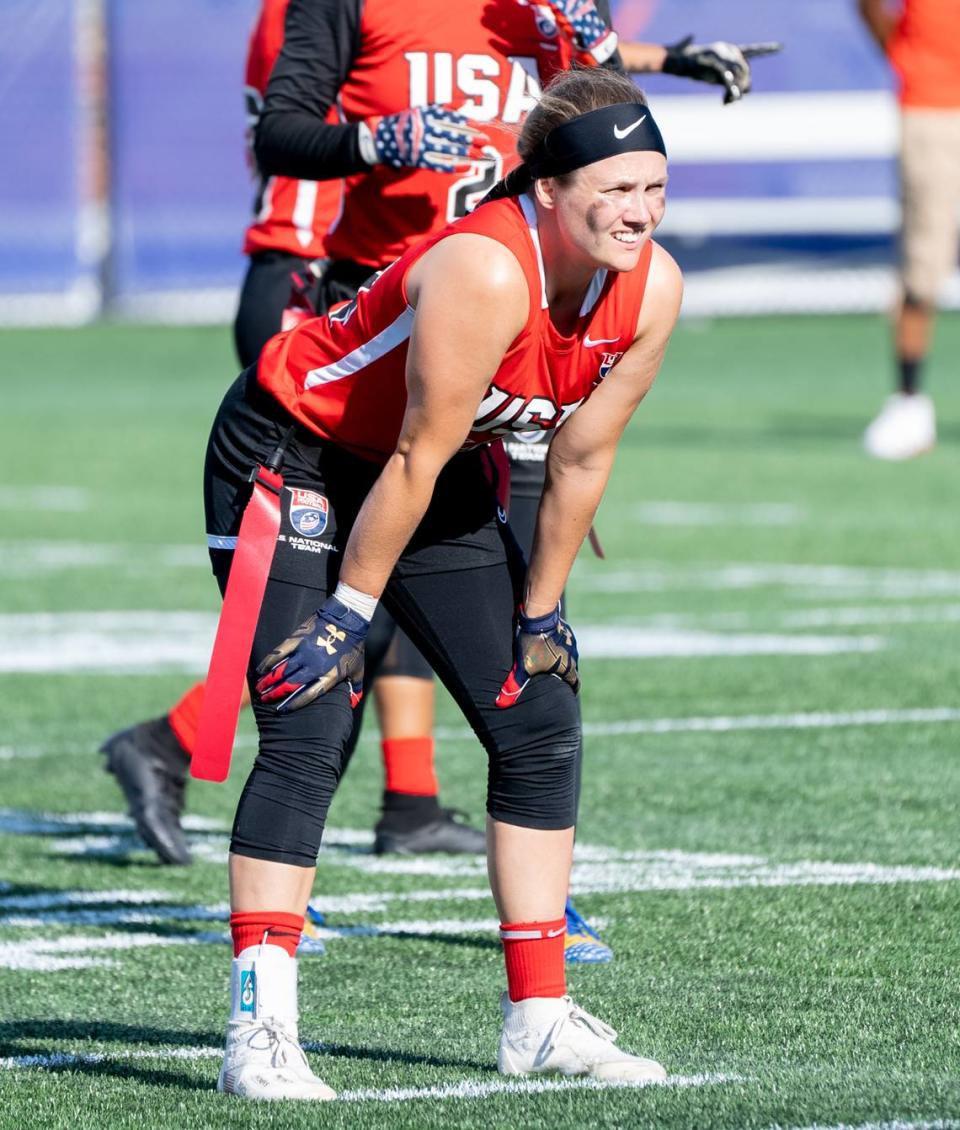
454	592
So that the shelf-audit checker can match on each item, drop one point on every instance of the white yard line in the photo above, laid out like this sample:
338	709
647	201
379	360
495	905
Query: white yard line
661	576
897	1124
802	721
54	498
466	1089
475	1090
729	723
125	643
717	514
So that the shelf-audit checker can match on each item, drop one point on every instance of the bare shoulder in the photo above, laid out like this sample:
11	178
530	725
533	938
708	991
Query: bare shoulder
661	301
471	266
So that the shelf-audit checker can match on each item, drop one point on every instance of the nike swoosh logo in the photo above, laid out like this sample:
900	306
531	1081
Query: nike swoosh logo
554	933
599	341
620	134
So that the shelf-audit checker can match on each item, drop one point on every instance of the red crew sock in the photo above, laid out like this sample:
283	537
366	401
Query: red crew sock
185	717
408	766
275	927
533	952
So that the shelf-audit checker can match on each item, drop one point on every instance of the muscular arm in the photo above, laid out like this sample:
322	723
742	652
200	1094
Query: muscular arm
581	456
471	302
881	20
321	39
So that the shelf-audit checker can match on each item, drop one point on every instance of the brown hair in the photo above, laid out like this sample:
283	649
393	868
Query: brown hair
570	94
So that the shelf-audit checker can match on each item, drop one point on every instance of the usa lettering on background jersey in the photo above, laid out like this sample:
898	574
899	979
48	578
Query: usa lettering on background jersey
486	57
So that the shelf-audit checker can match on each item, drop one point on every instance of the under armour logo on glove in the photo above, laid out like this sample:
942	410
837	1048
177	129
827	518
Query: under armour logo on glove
586	29
325	650
725	64
427	137
543	645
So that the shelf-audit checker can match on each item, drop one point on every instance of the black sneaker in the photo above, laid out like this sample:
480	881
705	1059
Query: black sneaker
151	768
445	832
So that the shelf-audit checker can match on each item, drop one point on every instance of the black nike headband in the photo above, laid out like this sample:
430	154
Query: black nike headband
626	127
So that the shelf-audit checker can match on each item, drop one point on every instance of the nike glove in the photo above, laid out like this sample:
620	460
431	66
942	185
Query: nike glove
724	64
324	651
543	645
425	137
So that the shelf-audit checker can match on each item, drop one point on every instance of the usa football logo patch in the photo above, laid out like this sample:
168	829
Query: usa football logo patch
308	512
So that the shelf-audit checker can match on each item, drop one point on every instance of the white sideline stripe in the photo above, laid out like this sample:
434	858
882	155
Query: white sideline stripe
46	955
722	724
124	643
609	642
470	1090
898	1124
56	499
26	558
718	514
467	1089
812	721
72	1059
659	576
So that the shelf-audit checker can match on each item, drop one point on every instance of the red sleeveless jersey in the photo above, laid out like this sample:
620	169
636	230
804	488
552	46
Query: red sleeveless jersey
343	376
484	57
291	215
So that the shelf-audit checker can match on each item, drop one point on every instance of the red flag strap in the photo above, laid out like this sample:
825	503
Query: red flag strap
235	631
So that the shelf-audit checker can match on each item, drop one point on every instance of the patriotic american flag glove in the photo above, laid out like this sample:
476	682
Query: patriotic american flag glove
585	28
427	137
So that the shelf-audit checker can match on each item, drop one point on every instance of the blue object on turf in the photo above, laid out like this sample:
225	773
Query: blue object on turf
582	945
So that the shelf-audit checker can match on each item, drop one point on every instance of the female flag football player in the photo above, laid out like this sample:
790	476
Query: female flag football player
549	307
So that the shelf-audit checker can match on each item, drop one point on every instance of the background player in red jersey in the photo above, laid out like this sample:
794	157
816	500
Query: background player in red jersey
505	49
388	405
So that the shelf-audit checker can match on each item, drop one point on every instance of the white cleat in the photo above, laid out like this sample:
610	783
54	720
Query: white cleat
552	1036
263	1058
905	428
264	1061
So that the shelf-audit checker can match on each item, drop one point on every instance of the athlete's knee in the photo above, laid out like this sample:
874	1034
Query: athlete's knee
284	804
535	759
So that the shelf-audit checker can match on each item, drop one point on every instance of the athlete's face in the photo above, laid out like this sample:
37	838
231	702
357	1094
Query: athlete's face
607	211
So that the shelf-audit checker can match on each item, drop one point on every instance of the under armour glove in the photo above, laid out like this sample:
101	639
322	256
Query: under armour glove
543	645
425	137
724	64
324	651
586	29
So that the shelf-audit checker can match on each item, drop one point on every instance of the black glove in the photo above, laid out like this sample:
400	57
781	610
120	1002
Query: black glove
542	645
724	64
324	651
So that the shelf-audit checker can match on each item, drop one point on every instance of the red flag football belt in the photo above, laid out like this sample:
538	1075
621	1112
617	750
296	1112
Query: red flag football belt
238	622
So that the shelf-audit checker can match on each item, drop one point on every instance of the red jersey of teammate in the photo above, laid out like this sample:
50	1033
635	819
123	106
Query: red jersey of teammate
292	215
484	57
343	376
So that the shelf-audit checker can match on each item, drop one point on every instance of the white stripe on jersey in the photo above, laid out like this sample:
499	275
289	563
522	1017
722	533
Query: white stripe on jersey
594	290
217	541
395	334
530	215
303	211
